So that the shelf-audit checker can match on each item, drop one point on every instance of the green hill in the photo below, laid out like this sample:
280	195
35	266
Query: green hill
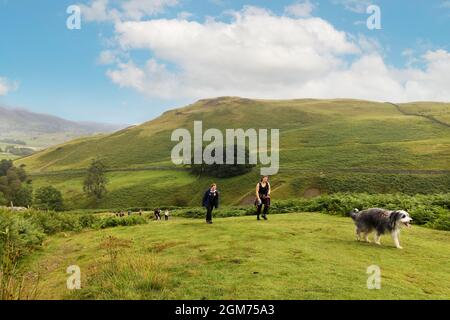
295	256
325	146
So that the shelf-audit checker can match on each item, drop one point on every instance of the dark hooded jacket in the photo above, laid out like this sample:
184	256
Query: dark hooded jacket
210	199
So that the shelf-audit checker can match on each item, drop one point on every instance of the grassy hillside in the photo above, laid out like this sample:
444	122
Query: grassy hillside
326	146
295	256
439	112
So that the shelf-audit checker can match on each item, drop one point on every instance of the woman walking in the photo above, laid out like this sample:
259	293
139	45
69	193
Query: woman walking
211	201
263	197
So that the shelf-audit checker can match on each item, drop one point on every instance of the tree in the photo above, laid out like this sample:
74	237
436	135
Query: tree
14	184
96	181
5	165
23	197
224	170
49	198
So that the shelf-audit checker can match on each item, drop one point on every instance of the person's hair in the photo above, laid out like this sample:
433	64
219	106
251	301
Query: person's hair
262	178
213	185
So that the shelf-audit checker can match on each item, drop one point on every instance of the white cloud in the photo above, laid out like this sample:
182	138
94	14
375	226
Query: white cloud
357	6
410	56
106	57
98	11
300	9
369	44
153	79
432	82
115	10
256	54
138	9
184	15
7	86
261	55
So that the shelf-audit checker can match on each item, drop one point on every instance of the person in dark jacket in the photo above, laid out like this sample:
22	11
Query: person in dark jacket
263	197
157	214
211	201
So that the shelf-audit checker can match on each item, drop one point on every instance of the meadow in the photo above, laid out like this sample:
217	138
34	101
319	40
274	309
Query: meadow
136	257
292	256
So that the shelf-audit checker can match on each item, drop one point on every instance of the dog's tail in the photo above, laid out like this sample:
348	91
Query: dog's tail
354	214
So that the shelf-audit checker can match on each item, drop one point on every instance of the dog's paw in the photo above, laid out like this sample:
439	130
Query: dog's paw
378	243
400	247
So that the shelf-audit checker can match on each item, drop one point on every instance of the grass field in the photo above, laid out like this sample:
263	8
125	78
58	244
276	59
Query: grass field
295	256
326	146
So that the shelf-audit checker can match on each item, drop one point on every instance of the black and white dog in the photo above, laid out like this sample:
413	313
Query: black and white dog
381	221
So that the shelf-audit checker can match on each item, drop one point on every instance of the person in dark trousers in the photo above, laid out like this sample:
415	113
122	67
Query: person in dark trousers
166	215
157	214
211	201
263	198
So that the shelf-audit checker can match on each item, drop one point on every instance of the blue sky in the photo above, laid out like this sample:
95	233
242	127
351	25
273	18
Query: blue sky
48	68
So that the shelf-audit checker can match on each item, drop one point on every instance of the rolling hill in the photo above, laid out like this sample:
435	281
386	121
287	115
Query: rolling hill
325	146
42	130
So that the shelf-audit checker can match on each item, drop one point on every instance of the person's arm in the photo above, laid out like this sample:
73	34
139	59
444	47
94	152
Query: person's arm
257	192
217	200
270	189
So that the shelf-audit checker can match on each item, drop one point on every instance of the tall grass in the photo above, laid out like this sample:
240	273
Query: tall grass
13	284
24	232
121	278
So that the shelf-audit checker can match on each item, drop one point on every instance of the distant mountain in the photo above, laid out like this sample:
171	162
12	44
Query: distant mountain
43	130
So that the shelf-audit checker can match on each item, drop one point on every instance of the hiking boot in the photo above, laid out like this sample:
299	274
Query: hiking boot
265	217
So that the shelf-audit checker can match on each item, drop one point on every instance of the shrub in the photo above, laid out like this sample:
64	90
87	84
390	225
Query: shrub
442	220
52	222
112	222
23	197
18	235
88	221
49	198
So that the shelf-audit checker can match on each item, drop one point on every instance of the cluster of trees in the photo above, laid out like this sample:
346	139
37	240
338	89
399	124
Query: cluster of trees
15	186
225	170
16	189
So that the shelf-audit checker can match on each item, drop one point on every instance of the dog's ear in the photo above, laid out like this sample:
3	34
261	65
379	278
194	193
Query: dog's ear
395	215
